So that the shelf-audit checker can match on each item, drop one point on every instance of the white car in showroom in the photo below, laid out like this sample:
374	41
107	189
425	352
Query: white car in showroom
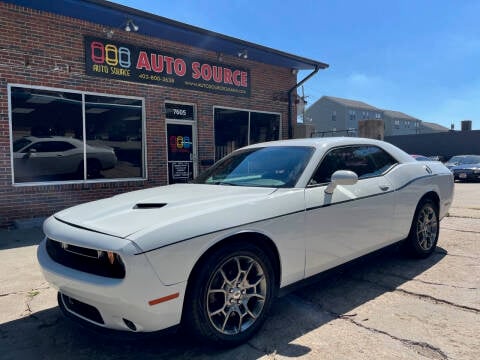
52	156
213	254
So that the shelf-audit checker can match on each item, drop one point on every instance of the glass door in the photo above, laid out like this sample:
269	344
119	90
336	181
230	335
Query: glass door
181	151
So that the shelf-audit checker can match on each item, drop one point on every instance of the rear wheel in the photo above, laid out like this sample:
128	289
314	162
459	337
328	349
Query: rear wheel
94	167
423	236
230	294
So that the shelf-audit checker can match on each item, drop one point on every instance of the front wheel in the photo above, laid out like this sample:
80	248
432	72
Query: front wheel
230	294
423	236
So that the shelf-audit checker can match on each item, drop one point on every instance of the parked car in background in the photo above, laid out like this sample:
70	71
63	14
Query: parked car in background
420	157
213	254
462	160
465	167
50	156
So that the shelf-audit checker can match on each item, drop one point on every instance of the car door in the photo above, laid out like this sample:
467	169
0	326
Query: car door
49	158
354	219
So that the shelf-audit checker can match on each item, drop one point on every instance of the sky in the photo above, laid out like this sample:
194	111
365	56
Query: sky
420	57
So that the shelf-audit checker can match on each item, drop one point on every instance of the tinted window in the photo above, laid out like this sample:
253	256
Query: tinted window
365	161
50	146
20	144
276	166
53	121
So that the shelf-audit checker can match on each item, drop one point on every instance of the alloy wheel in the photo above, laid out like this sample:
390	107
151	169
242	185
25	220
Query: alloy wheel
236	295
427	228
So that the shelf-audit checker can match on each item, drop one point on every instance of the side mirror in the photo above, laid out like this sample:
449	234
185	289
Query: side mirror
341	177
29	153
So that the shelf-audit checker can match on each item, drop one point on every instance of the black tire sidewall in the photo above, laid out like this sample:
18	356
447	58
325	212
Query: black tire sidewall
196	316
413	245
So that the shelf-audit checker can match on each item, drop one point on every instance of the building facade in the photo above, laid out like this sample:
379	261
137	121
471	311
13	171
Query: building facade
398	123
98	99
334	116
430	128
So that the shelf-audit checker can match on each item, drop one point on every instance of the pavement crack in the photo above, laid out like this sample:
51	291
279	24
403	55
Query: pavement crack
8	294
463	217
28	292
464	231
420	296
463	256
422	348
423	281
439	301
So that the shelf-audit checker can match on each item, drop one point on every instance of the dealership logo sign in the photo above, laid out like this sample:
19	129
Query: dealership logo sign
119	61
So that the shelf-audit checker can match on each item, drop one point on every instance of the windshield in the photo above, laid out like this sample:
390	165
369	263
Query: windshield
20	144
465	159
273	166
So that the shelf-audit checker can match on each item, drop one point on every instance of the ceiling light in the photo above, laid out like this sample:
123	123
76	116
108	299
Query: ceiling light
243	54
130	25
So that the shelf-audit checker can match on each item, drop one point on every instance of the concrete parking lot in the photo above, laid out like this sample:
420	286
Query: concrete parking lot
388	307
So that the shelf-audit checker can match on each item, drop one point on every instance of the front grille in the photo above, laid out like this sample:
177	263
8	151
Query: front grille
87	260
82	309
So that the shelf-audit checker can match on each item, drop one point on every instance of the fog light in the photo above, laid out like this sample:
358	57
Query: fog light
130	325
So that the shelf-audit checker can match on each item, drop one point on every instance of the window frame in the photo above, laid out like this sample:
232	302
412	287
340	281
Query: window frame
309	185
144	175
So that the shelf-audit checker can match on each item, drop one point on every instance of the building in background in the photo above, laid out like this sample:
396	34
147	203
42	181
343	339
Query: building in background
398	123
333	116
430	128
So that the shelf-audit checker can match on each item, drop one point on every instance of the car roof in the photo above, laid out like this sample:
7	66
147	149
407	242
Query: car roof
329	142
55	138
319	142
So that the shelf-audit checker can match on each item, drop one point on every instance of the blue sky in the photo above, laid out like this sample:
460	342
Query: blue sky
418	57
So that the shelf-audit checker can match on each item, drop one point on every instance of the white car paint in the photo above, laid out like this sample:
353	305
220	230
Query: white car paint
312	231
30	164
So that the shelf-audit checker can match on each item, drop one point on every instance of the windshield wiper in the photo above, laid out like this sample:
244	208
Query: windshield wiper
226	183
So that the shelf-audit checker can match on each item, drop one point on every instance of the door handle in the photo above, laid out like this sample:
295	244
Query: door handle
384	187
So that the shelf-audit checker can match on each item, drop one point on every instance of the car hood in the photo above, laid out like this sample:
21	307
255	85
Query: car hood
181	209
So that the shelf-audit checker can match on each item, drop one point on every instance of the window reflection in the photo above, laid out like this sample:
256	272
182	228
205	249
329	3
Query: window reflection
113	126
236	128
48	143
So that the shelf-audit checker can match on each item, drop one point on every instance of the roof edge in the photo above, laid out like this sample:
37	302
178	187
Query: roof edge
140	13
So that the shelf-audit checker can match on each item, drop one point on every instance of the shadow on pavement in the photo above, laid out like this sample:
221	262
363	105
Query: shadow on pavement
10	239
49	335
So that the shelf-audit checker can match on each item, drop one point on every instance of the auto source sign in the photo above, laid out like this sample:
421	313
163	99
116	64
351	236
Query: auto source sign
119	61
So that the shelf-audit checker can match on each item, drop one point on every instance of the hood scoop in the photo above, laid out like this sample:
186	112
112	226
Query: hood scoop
149	206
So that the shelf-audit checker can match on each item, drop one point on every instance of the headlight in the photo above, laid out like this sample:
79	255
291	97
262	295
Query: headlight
476	171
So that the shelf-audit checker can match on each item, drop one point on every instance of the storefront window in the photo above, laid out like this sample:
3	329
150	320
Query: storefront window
264	127
48	142
113	127
231	131
237	128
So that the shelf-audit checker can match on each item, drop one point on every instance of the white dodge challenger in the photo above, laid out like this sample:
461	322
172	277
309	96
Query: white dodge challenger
213	254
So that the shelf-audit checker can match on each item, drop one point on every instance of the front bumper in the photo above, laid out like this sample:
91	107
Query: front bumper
466	175
116	303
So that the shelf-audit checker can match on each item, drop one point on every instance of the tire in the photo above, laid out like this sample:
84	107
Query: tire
423	236
230	294
94	167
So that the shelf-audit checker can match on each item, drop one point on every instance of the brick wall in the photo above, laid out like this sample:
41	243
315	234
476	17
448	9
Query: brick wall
33	43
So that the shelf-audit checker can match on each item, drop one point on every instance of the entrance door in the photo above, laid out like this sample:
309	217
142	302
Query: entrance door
181	151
